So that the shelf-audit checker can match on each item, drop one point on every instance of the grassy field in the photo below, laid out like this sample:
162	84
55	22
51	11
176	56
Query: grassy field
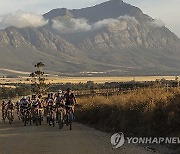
143	112
85	79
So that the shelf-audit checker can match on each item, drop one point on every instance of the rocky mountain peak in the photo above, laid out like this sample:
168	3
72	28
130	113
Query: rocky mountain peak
116	1
56	12
113	32
105	10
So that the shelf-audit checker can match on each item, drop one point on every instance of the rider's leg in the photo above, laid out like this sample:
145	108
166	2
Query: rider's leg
73	112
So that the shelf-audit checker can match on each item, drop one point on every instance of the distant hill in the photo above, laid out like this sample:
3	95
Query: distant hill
112	38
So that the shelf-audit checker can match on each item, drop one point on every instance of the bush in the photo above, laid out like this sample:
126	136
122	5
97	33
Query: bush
143	112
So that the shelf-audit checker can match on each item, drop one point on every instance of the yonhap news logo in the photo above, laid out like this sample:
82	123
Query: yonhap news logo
118	140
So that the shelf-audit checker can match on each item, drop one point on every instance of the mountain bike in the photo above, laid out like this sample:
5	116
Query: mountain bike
69	116
40	115
10	115
36	117
18	112
60	117
51	116
4	115
27	116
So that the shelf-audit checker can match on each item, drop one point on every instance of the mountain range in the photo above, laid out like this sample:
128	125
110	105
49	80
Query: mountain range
111	38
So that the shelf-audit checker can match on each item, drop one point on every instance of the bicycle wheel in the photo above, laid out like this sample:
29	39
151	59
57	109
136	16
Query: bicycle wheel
25	118
25	121
53	119
30	119
60	119
10	117
49	118
40	117
70	119
36	118
4	116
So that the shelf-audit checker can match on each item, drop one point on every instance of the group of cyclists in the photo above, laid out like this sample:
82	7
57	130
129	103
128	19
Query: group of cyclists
56	107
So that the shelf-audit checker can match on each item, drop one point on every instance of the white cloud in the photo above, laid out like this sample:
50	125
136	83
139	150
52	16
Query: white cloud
81	25
167	10
20	20
71	26
128	18
105	22
78	25
113	22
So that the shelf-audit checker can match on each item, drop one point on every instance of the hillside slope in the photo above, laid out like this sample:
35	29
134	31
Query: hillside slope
113	37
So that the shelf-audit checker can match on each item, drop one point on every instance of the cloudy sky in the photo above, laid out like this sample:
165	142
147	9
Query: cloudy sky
165	10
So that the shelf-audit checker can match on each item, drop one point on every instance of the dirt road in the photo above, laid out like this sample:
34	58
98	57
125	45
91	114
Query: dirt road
44	139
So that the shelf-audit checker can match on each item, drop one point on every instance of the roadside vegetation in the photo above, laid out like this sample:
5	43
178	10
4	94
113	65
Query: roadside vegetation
19	90
142	112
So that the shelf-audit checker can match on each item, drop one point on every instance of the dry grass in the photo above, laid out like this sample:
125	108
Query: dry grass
85	79
141	112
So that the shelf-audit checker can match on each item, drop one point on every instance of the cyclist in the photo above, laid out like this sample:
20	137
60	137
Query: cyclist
48	97
33	97
70	99
52	96
58	92
40	96
59	98
17	105
35	104
3	105
59	102
50	103
4	110
25	103
45	103
50	108
10	106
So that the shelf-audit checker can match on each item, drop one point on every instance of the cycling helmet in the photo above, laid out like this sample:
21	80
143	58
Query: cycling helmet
59	91
24	98
68	90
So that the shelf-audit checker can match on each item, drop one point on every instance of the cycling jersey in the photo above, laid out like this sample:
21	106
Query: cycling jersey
10	106
69	98
3	105
25	104
59	100
35	104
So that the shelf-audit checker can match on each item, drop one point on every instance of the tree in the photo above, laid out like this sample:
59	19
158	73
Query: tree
39	85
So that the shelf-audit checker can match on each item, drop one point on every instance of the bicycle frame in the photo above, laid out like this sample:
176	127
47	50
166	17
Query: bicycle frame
69	115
